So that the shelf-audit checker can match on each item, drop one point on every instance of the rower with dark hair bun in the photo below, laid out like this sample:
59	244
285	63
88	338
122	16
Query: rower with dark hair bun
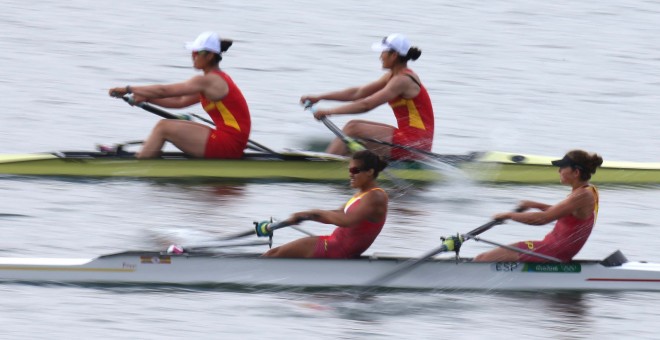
575	215
402	89
358	222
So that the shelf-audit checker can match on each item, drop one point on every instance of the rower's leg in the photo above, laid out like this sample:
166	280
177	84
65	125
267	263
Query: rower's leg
189	137
498	254
364	129
303	247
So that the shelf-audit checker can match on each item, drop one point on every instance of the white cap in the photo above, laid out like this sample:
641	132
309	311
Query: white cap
207	41
393	42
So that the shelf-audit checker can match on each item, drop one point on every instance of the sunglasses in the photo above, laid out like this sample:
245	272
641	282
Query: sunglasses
201	53
355	170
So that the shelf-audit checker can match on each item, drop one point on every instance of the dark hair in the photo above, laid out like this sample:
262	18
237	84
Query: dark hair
225	44
370	160
413	54
585	162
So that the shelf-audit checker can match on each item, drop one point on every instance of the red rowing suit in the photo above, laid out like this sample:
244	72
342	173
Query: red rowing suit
415	122
565	240
232	122
349	242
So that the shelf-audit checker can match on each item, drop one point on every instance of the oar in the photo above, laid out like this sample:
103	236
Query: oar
450	244
167	115
354	146
263	229
154	110
452	160
177	249
527	252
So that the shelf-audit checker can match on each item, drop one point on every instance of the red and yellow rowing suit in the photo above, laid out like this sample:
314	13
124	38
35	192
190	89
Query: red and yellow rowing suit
349	242
565	240
232	122
415	122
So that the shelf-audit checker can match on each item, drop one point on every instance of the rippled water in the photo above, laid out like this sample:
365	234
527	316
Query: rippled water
521	76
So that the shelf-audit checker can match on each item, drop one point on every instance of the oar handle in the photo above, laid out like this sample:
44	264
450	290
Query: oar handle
351	143
154	110
487	226
482	229
266	228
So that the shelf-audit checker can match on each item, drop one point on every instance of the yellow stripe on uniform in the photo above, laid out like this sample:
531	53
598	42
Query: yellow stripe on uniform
414	119
227	117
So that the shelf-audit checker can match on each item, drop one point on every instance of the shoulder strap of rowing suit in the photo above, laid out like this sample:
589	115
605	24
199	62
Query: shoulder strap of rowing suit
597	199
407	72
356	197
413	79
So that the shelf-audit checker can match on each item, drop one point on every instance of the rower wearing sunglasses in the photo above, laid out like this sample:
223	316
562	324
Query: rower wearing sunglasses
358	222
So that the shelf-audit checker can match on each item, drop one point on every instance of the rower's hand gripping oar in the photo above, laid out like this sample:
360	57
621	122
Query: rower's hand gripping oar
452	243
167	115
352	144
266	228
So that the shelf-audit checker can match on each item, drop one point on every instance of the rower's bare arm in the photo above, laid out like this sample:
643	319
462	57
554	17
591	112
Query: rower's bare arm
355	93
533	205
576	202
176	102
213	87
389	91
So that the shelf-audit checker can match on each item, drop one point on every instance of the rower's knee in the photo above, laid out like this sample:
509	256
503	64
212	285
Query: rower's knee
165	127
352	128
271	252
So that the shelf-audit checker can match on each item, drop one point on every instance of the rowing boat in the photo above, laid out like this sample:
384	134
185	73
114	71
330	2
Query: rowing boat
305	166
162	268
312	166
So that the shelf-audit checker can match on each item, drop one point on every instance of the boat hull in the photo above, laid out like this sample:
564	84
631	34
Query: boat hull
499	167
252	168
519	168
252	270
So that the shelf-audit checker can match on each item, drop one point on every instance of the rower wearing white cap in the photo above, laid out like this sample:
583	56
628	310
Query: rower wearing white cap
402	89
219	96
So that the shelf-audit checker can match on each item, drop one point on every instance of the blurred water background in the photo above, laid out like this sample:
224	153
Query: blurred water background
517	76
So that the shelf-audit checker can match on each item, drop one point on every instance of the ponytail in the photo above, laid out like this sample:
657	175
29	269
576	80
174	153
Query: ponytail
225	44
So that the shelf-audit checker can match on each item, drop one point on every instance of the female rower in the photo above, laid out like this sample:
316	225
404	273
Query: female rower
359	221
219	96
575	215
401	88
